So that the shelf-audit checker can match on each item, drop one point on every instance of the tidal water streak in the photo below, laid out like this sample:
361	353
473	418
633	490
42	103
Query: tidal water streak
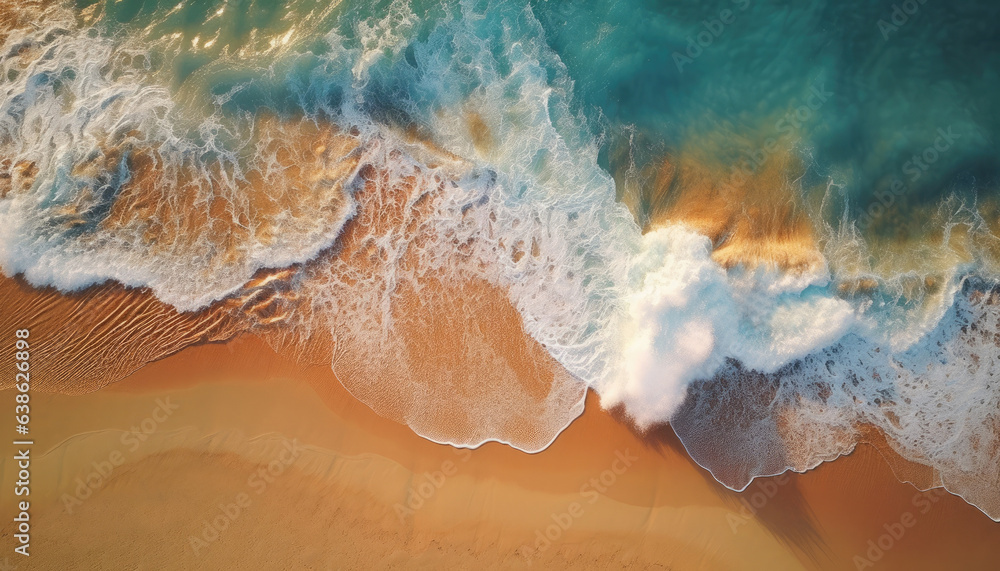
772	225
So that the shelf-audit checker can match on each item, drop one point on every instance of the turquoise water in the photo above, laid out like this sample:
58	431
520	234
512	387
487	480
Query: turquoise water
889	83
526	130
888	94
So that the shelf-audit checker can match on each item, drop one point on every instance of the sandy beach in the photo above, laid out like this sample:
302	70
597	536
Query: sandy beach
227	455
499	284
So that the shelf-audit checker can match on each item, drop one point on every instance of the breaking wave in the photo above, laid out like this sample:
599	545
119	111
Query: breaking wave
461	246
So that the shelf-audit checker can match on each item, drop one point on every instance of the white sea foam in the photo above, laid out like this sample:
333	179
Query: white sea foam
77	106
529	210
687	315
758	370
936	403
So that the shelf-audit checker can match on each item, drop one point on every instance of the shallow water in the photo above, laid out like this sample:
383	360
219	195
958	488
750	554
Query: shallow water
691	206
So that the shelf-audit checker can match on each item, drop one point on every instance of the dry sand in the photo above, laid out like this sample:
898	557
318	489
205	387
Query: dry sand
350	496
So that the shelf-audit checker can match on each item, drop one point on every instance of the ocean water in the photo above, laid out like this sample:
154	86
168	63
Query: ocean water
771	225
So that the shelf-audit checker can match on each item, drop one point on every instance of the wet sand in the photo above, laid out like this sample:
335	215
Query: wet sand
359	491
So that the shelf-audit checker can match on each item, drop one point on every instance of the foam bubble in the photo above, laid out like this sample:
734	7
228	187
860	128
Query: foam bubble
123	188
467	172
936	404
687	315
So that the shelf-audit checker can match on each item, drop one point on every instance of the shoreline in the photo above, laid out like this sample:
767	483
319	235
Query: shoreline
238	401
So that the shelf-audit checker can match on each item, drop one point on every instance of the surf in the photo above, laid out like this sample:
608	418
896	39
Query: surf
471	242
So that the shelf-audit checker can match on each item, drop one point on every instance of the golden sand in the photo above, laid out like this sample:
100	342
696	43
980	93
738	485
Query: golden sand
83	341
362	493
117	484
447	352
449	340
